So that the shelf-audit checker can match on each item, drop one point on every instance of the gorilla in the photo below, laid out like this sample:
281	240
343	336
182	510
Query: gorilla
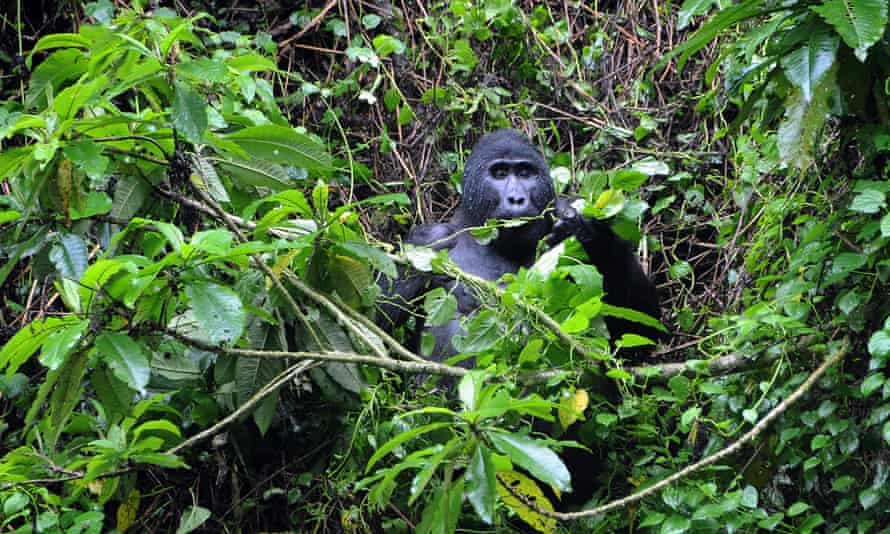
506	177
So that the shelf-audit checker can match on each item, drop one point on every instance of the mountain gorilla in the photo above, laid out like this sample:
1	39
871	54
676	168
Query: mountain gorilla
506	177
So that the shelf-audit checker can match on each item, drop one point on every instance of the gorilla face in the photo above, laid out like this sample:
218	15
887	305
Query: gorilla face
505	178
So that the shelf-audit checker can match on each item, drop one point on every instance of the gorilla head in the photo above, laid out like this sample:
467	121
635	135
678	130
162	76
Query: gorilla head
506	177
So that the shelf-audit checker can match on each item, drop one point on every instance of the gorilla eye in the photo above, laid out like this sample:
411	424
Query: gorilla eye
499	170
525	170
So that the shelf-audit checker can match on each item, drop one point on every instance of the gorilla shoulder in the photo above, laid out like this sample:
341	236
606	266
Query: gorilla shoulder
436	236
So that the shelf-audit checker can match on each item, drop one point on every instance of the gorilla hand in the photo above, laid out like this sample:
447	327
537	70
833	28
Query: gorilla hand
571	223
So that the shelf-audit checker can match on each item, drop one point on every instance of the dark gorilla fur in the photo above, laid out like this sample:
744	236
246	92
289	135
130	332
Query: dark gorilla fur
506	177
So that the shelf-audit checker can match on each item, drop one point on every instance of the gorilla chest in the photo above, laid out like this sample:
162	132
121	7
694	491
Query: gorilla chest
479	261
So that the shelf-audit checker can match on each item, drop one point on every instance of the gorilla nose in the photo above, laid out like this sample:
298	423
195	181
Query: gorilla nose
516	201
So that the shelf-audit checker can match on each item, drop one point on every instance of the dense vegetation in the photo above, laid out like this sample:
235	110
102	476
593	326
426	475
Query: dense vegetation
196	204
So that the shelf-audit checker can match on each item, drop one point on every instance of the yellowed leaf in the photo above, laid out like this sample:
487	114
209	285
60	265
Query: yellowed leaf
572	408
526	487
126	512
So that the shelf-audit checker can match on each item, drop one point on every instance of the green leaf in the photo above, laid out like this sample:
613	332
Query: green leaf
628	179
799	131
88	157
67	394
386	45
70	101
675	524
859	22
217	242
390	445
31	337
820	441
631	315
534	457
483	331
652	519
203	70
55	70
257	173
869	201
251	62
157	425
218	310
130	194
807	65
126	358
868	497
440	307
481	489
170	461
282	145
885	226
749	497
463	57
194	517
210	181
61	40
879	344
531	352
376	257
59	345
96	203
692	8
70	256
14	503
871	384
189	113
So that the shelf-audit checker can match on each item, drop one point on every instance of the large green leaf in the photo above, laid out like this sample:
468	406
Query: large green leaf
126	358
482	332
692	8
440	307
799	130
252	374
390	445
72	99
194	517
66	395
129	195
376	257
218	310
860	23
481	489
70	256
189	113
52	72
282	145
534	457
807	65
26	341
257	173
59	344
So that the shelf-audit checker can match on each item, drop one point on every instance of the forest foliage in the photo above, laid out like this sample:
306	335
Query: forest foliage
196	207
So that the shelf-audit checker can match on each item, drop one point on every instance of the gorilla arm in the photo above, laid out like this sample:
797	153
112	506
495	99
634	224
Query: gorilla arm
624	282
397	303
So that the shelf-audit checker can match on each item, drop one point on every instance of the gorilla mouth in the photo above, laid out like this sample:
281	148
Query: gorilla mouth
515	212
